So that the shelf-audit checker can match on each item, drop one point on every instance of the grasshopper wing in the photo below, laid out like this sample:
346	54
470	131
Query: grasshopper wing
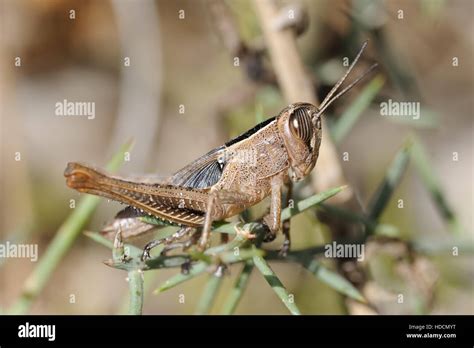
204	172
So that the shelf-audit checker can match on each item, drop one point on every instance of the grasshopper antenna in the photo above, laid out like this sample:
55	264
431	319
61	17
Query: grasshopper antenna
346	89
328	99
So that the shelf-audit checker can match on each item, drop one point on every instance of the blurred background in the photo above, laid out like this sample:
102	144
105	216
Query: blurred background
162	73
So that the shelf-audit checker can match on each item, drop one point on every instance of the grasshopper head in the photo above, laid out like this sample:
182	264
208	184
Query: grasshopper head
300	126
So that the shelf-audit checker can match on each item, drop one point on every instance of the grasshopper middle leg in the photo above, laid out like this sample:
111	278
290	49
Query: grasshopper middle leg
183	231
273	219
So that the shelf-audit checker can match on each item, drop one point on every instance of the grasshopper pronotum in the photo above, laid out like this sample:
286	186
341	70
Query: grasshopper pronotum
228	179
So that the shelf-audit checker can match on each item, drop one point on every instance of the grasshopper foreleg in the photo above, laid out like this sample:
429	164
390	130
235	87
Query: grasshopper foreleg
286	224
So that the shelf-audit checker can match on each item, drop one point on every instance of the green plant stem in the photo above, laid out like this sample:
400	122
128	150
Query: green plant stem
61	244
96	237
238	290
197	269
392	178
276	284
432	185
310	202
334	280
209	294
135	286
148	278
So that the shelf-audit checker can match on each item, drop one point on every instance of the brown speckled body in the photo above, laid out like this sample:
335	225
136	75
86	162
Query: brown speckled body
267	158
251	166
229	178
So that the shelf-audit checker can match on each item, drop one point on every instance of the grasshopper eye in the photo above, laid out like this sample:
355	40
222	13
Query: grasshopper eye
301	126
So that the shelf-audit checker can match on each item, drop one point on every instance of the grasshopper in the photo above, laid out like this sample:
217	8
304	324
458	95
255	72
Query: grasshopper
223	182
